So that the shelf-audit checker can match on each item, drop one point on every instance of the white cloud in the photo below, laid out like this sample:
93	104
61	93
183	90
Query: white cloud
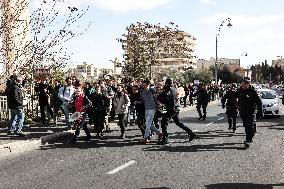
124	6
121	6
208	2
241	20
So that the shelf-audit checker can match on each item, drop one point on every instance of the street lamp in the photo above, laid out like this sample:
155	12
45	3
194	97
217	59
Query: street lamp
228	20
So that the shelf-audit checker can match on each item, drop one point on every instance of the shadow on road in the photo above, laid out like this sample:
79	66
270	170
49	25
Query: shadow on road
242	186
196	148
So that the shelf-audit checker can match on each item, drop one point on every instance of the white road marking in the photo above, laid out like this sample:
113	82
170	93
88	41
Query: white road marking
210	124
220	118
121	167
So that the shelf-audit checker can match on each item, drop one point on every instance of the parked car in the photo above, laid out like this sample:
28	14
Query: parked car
270	102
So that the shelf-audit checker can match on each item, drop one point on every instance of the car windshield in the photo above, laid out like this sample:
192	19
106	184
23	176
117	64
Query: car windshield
267	94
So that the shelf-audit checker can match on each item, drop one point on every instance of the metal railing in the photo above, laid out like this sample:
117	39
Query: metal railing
31	107
4	111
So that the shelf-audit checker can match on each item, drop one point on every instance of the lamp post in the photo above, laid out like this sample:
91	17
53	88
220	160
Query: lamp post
243	54
228	20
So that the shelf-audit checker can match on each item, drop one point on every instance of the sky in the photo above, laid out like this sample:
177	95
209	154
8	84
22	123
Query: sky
257	27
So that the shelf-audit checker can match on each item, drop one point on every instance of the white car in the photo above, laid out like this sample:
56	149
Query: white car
270	102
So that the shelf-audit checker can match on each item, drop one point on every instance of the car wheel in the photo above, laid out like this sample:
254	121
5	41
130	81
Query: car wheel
277	116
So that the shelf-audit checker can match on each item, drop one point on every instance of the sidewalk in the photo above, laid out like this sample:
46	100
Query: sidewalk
34	132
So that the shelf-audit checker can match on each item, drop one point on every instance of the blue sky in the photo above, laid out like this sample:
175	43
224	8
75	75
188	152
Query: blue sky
257	27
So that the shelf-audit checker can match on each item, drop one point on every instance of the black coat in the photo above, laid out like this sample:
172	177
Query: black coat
15	96
168	97
202	97
230	99
248	101
43	90
100	103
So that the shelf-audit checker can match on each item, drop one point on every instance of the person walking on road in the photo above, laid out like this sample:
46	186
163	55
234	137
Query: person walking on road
66	94
248	102
169	98
121	103
229	101
80	103
148	95
202	101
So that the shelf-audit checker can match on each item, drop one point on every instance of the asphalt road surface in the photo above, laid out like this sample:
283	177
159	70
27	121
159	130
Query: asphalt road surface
216	159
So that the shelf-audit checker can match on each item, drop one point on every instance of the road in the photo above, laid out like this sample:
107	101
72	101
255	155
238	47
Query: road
216	159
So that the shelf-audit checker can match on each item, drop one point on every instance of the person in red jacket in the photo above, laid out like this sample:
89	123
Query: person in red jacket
80	103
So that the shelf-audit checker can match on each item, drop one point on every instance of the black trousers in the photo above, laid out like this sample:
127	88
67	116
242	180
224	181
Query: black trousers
140	120
42	112
249	124
232	113
190	100
99	121
83	125
184	100
122	122
175	116
158	115
204	106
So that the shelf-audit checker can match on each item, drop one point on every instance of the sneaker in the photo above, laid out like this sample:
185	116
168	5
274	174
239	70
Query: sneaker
88	138
203	118
160	137
199	118
191	137
246	144
21	135
122	136
164	141
73	141
10	133
144	141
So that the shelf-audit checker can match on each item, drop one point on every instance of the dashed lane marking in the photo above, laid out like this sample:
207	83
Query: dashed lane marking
121	167
210	123
220	118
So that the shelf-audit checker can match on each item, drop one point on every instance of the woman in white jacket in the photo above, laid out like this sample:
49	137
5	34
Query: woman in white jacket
121	103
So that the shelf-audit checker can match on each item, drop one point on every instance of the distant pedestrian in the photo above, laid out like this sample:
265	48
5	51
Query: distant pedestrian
202	101
229	101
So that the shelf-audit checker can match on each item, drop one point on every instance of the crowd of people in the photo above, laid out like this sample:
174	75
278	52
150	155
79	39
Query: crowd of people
139	102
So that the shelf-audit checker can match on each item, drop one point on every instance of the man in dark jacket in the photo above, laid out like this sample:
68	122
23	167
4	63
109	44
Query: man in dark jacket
15	104
248	102
229	101
202	101
44	90
169	98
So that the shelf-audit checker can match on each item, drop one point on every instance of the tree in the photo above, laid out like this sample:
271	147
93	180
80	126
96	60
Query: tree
39	38
144	43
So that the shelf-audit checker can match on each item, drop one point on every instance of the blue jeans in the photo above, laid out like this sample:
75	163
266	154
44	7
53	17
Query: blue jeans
66	114
149	116
17	120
